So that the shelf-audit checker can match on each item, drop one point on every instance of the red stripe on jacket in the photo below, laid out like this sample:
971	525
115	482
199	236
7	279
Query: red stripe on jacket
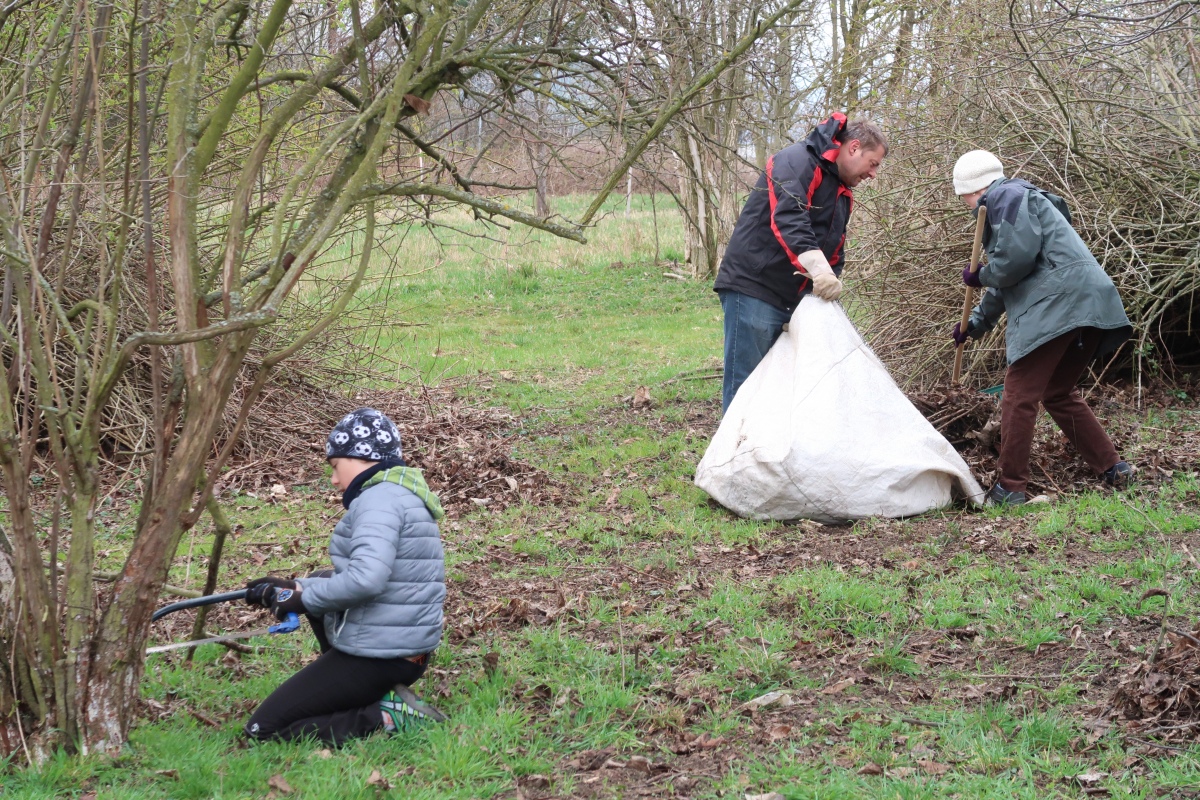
814	184
774	201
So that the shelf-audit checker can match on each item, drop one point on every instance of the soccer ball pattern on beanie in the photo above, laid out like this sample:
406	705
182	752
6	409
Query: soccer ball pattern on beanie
364	433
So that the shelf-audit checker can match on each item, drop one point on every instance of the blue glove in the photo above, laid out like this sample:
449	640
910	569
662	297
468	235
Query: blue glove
971	278
960	336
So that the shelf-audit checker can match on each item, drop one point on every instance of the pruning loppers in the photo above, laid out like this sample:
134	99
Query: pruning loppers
287	626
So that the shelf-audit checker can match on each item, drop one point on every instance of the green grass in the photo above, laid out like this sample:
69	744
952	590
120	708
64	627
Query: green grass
556	323
680	613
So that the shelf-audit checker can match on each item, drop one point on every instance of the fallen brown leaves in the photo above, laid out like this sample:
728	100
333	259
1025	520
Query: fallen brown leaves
970	420
277	783
377	780
465	451
464	448
1161	700
600	768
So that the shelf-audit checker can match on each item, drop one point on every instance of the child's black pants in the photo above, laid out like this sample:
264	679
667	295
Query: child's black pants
333	699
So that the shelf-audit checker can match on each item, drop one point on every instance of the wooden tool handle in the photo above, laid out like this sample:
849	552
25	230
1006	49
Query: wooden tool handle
969	299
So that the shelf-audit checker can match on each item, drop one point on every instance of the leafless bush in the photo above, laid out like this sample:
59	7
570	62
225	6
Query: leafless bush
1104	113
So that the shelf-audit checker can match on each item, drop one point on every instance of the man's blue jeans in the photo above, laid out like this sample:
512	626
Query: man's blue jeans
751	327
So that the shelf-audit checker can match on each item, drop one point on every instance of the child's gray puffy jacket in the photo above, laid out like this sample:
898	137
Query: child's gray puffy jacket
385	600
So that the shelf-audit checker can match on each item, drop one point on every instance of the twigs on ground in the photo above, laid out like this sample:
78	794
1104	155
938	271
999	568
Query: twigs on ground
1160	696
969	419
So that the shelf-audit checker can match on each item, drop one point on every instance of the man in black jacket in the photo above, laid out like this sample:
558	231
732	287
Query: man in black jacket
789	238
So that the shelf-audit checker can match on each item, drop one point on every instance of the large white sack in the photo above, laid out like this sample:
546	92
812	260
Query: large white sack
821	431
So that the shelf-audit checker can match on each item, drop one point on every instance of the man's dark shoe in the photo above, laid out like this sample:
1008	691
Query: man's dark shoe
999	496
1119	475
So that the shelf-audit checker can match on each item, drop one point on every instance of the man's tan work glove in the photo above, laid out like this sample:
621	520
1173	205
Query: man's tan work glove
825	284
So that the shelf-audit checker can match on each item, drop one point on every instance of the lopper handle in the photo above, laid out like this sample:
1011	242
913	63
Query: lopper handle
969	298
198	601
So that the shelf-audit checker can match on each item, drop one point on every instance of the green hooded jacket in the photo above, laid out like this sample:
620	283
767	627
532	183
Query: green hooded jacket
412	479
1041	274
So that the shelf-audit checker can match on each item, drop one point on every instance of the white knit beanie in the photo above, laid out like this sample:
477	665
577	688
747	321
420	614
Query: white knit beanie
976	170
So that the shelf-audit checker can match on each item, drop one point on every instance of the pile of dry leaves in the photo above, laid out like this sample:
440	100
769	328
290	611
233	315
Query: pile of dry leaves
465	450
1160	697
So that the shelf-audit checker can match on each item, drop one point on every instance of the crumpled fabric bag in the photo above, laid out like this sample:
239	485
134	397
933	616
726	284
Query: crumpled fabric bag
821	431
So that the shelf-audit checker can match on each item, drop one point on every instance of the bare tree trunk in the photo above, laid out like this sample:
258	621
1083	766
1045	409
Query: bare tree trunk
541	188
730	187
700	251
11	734
536	154
836	79
706	145
117	665
900	55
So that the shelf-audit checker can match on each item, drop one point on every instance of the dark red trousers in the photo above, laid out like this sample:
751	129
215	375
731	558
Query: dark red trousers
1048	376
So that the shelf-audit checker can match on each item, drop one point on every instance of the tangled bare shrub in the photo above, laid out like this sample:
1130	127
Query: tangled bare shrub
1102	109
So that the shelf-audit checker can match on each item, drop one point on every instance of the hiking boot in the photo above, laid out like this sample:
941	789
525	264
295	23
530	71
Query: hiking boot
1119	475
405	711
999	496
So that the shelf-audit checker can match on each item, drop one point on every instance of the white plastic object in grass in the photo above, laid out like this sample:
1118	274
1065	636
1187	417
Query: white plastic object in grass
821	431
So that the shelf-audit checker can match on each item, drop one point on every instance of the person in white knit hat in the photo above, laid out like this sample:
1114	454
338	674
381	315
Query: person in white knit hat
976	171
1063	311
